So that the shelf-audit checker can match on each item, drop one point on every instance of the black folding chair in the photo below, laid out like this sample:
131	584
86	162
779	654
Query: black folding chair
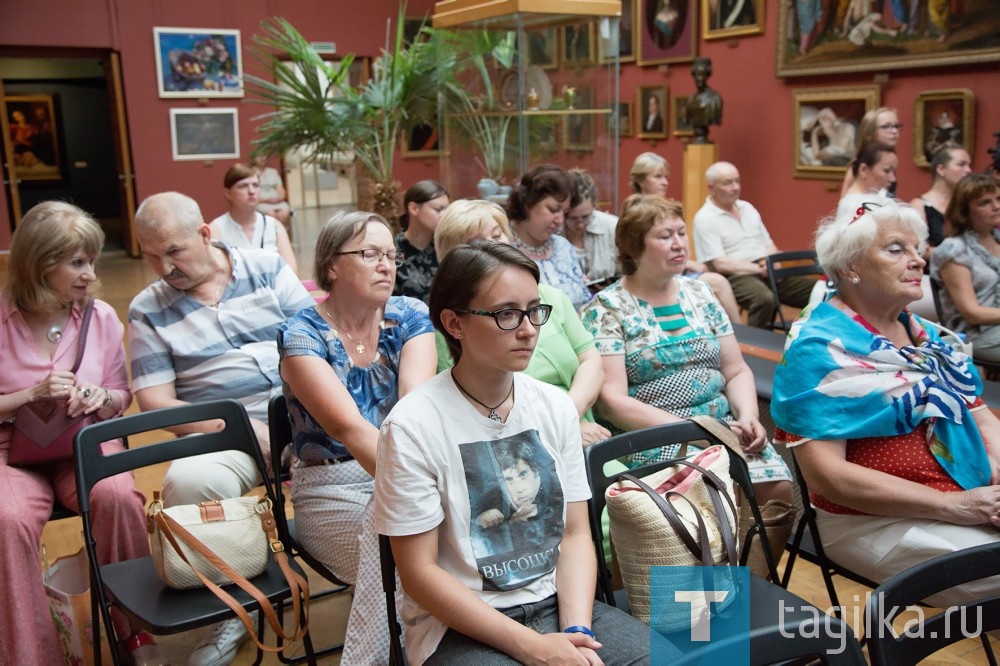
133	586
280	431
807	544
785	265
783	626
912	586
397	656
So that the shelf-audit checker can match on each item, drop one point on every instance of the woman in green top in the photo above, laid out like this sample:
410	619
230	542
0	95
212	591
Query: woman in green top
668	347
565	355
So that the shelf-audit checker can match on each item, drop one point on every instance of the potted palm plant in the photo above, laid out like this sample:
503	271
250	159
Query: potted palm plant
316	107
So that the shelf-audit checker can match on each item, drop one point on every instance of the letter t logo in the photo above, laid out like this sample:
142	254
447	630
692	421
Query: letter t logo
701	629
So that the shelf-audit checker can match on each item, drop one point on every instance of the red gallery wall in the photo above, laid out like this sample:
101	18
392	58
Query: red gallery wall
756	133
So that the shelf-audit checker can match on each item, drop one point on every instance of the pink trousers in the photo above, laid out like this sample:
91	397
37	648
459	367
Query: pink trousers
27	633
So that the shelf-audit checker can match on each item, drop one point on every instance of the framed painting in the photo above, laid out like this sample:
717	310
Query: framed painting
420	140
942	118
680	122
667	31
651	100
579	47
579	128
204	134
825	128
198	62
35	138
723	19
622	119
816	37
623	42
543	47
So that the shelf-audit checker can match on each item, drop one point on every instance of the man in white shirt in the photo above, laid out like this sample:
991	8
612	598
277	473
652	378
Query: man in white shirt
730	237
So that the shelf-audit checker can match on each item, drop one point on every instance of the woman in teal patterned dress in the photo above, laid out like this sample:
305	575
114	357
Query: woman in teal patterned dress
668	347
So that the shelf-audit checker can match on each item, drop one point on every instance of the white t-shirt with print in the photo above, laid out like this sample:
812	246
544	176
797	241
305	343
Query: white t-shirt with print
442	464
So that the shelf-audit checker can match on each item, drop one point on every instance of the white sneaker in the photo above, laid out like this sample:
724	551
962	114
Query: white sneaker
219	648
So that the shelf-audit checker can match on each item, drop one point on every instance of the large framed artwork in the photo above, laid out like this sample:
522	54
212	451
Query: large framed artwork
625	43
818	37
35	138
651	101
722	19
825	129
942	118
198	62
204	134
668	31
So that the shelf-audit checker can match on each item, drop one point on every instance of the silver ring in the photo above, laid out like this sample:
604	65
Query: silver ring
86	393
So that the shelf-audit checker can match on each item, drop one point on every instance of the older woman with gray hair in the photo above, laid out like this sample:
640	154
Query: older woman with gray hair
901	454
345	363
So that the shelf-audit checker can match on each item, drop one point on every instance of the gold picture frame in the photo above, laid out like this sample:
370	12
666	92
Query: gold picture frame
648	128
825	128
731	18
942	117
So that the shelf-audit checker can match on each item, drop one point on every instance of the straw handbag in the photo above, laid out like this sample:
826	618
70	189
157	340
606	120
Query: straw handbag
683	515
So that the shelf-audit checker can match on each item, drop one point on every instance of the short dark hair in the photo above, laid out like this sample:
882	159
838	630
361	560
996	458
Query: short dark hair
545	180
236	173
969	188
639	213
461	274
420	192
869	154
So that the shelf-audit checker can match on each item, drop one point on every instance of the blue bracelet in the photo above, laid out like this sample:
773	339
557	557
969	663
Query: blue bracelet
579	629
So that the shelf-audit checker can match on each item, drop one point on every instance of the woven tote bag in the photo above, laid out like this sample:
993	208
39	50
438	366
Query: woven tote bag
683	515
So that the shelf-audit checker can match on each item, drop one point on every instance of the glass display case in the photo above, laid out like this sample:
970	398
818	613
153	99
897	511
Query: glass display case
530	87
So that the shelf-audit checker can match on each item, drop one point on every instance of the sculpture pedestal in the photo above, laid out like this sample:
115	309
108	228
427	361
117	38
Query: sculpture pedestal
697	158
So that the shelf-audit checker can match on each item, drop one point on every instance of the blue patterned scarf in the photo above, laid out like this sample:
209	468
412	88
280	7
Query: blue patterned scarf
841	379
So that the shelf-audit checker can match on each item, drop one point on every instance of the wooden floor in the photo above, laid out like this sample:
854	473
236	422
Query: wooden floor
122	277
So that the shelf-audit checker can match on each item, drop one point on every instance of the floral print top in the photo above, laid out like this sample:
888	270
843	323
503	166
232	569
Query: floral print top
414	277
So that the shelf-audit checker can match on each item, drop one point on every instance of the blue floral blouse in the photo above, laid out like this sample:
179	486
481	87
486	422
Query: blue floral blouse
562	270
375	388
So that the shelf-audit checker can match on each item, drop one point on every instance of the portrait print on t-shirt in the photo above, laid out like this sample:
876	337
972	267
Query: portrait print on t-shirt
516	502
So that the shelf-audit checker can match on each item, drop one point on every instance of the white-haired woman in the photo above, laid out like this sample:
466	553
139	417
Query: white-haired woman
901	454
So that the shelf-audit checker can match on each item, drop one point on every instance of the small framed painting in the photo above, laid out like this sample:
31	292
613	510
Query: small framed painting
825	129
667	31
942	118
723	19
624	45
652	104
204	134
680	122
578	45
198	62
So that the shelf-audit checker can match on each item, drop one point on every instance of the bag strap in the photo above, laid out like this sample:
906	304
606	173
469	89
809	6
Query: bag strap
298	585
701	549
81	343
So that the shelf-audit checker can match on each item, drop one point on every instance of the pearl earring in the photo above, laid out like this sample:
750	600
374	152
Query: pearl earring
855	280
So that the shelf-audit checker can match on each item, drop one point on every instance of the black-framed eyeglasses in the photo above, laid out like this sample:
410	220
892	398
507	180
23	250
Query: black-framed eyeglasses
510	318
866	207
885	127
371	256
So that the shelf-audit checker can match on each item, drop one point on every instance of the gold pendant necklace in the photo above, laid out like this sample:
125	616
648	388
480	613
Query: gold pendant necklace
359	347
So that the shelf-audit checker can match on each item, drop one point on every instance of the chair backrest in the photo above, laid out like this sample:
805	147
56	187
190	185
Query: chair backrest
597	455
235	435
397	656
279	430
916	584
936	295
783	265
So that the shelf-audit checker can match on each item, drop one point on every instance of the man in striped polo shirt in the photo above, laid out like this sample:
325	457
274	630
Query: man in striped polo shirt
207	330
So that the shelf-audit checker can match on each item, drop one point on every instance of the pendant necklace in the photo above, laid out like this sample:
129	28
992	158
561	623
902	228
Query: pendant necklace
493	416
359	347
54	334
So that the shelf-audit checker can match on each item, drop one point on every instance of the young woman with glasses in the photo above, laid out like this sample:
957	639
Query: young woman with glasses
879	125
345	363
482	490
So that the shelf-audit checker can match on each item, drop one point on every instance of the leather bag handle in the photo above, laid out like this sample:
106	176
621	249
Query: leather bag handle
298	585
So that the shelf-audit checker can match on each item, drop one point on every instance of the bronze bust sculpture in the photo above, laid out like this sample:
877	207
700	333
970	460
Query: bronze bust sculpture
704	107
